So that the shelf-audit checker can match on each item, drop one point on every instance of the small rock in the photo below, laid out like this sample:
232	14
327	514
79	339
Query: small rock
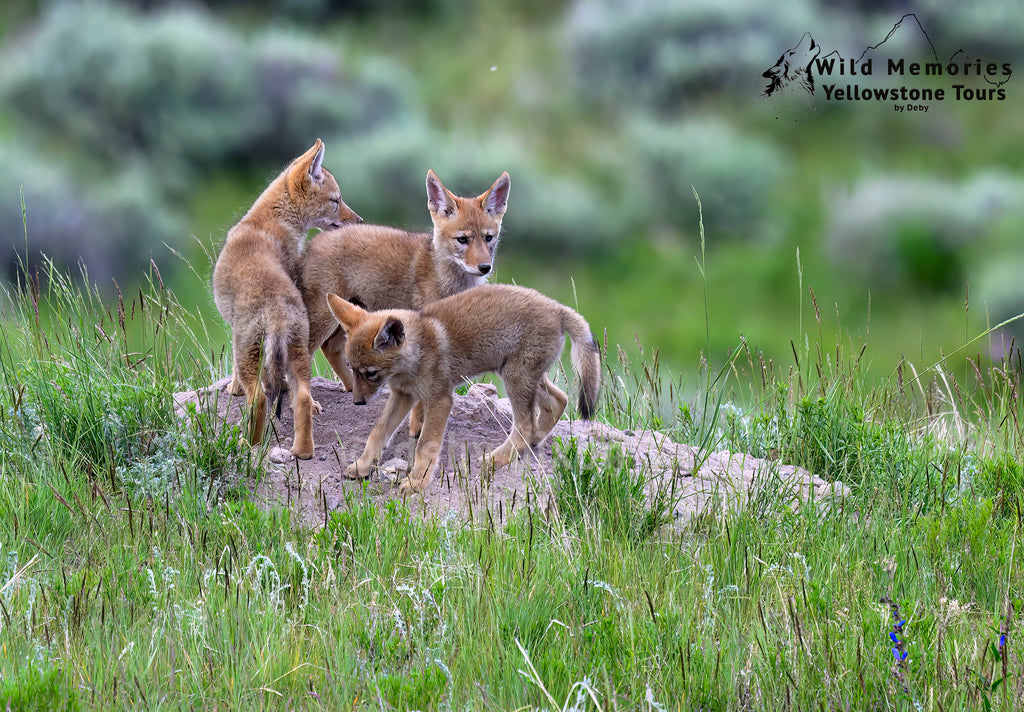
280	455
394	466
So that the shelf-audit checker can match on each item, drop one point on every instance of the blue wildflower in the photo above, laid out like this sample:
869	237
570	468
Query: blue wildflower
899	653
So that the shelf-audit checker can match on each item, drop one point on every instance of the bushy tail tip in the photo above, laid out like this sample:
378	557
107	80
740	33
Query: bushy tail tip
586	361
276	359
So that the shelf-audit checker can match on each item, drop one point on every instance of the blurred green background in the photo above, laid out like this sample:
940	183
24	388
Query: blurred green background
137	130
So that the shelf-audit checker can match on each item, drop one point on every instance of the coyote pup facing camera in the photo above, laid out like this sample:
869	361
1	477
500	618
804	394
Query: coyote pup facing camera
386	268
513	331
254	287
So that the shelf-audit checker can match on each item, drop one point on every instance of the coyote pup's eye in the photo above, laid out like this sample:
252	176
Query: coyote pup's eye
461	239
488	236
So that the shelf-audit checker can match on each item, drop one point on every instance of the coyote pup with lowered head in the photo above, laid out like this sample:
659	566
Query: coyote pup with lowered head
254	287
513	331
385	268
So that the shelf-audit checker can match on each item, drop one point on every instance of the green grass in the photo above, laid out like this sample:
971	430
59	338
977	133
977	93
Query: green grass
136	574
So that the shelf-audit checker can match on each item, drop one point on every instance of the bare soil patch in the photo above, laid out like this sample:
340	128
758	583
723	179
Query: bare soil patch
479	422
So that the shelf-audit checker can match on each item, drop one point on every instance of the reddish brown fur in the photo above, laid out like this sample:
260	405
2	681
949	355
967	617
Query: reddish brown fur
254	287
513	331
386	268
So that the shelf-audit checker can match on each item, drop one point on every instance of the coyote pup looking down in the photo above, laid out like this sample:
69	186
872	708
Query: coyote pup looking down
385	268
254	287
513	331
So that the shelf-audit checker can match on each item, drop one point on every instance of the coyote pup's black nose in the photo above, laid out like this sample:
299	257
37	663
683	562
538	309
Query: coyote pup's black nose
484	268
359	401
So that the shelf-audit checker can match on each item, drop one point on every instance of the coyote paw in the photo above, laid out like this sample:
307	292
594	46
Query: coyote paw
353	472
235	388
408	486
303	453
500	457
317	410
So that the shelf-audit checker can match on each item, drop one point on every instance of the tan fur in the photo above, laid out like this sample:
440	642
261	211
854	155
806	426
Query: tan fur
254	287
513	331
386	268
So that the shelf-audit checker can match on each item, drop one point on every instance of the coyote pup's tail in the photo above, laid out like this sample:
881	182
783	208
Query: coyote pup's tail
586	360
275	357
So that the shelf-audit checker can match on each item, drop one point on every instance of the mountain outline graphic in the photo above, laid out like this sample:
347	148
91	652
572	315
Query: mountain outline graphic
795	67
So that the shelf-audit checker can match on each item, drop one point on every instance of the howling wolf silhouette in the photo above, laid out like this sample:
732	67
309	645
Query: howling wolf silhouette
793	66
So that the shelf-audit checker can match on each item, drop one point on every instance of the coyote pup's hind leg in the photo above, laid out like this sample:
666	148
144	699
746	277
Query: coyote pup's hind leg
303	405
247	375
523	398
551	402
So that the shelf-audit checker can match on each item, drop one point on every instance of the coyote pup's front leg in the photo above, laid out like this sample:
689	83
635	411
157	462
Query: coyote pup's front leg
428	447
398	406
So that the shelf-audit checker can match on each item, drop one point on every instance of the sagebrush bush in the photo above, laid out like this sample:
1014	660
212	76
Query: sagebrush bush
318	10
307	91
914	231
384	173
114	225
53	209
175	86
183	89
989	26
1000	291
733	173
146	105
663	54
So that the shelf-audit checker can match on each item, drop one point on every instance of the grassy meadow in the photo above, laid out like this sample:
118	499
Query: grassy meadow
830	305
138	574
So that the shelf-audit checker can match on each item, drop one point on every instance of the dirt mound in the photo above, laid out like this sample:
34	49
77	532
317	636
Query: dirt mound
479	422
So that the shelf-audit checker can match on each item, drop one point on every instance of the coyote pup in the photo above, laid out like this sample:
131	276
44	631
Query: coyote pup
385	268
513	331
254	287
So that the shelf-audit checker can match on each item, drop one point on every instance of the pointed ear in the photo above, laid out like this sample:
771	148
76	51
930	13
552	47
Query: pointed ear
308	165
390	336
347	313
316	167
495	200
440	200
